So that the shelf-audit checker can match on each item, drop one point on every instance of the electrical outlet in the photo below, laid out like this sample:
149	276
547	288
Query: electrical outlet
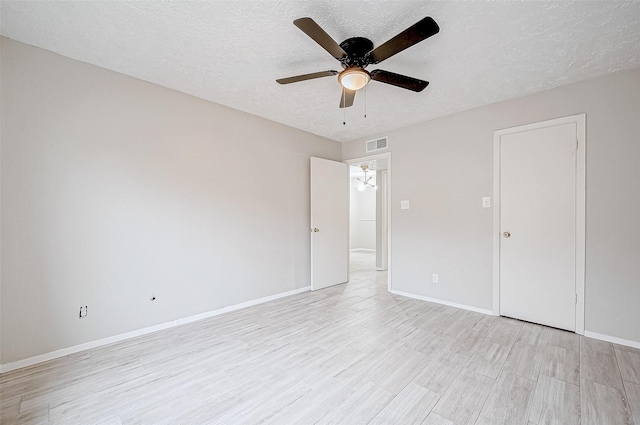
404	205
83	312
434	278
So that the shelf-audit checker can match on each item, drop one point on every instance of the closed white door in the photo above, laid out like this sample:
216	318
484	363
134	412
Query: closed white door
329	223
538	225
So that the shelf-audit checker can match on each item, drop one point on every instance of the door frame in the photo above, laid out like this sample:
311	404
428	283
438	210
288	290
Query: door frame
387	156
580	197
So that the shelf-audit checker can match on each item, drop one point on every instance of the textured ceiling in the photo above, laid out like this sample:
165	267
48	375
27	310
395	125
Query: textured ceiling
231	52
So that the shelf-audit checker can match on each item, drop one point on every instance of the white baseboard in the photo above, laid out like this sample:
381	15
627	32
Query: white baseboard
121	337
594	335
240	306
81	347
139	332
443	302
614	339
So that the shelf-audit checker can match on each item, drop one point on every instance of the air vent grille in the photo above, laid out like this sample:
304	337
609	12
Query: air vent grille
377	144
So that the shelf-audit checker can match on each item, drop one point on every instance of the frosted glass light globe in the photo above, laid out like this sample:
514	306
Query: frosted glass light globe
354	78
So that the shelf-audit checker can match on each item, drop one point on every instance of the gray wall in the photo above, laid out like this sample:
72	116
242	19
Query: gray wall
445	166
114	189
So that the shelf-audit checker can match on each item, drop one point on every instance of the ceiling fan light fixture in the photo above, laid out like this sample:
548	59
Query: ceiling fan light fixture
367	180
354	78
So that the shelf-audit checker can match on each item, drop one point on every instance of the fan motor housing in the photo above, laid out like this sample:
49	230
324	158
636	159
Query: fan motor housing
356	48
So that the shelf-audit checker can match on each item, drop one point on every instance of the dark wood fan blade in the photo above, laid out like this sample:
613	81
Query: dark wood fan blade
407	38
346	98
304	77
313	30
399	80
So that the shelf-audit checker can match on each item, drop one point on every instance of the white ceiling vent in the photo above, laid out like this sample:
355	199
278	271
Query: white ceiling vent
377	144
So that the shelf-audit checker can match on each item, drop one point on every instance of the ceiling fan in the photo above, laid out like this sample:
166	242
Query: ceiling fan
356	53
367	180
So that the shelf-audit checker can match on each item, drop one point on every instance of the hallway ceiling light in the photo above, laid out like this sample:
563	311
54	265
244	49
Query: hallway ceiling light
366	181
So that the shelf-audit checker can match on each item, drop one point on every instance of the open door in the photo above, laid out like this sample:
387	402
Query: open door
329	223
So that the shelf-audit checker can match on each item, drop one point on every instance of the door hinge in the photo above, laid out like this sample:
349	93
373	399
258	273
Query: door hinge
576	299
576	145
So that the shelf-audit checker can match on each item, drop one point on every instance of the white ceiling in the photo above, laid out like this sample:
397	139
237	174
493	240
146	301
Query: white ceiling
355	168
231	52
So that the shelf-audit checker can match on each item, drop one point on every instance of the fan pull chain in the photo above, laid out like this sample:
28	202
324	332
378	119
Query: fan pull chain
365	101
344	112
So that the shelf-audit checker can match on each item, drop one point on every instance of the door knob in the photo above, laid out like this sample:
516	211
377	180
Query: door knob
506	234
316	230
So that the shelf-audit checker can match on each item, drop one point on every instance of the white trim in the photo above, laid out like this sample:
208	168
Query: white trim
362	249
139	332
242	305
443	302
614	339
496	224
581	220
580	122
387	156
81	347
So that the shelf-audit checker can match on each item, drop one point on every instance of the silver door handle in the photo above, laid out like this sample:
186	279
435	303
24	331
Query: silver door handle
506	234
316	230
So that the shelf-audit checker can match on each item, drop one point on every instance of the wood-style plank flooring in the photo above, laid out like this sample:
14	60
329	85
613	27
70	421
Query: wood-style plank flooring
350	354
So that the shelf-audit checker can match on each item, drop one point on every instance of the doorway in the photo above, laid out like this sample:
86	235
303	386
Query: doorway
539	222
368	218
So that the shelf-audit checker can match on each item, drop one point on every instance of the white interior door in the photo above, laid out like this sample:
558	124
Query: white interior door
329	223
538	225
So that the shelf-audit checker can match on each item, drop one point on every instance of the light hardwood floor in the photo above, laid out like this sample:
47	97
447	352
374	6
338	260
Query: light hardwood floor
351	354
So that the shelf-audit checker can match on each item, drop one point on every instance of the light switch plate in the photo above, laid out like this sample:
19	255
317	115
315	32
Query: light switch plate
486	202
404	205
